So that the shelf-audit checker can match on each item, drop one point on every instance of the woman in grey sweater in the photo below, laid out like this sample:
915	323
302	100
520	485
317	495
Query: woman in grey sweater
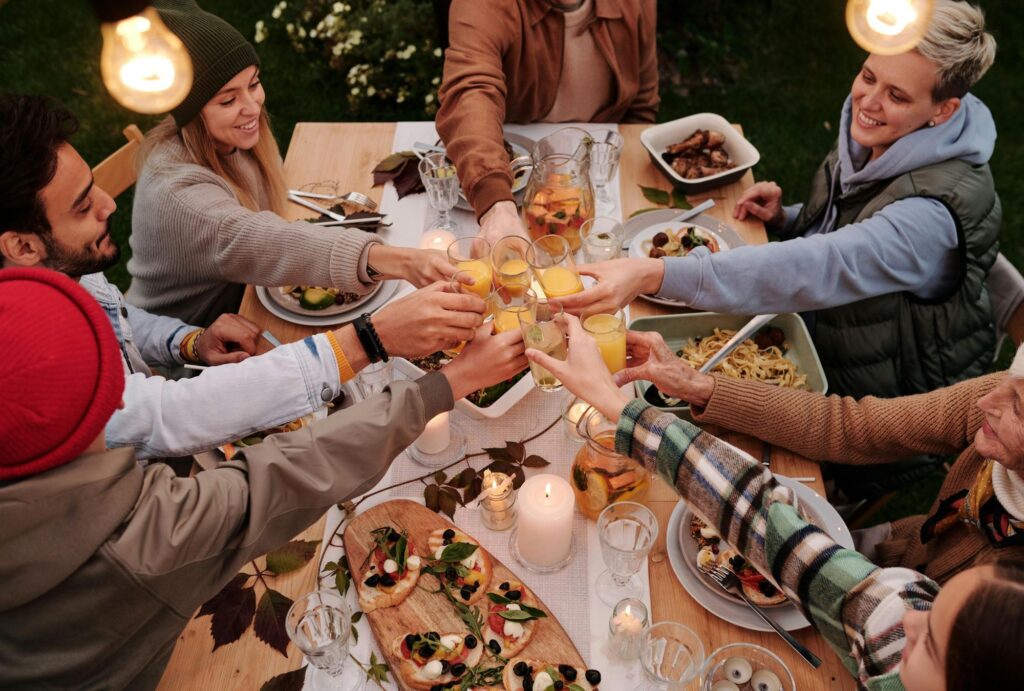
207	217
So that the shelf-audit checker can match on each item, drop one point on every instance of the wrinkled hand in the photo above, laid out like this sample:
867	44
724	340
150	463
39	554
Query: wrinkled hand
500	220
428	320
619	282
419	267
485	361
231	338
584	372
764	201
651	359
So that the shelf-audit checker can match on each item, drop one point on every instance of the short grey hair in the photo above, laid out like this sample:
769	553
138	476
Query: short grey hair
956	41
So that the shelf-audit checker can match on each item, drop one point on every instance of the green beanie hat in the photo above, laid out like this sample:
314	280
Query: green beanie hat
218	52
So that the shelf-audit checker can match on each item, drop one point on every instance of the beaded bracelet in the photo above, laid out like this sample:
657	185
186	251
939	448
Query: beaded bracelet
188	350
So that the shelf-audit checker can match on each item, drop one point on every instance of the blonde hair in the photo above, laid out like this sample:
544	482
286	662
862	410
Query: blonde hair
202	151
956	41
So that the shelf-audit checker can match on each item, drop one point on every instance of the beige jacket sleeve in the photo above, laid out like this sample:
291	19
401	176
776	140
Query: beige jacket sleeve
188	536
846	430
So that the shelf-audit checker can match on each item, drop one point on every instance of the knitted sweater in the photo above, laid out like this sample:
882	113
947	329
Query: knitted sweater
856	606
194	246
872	430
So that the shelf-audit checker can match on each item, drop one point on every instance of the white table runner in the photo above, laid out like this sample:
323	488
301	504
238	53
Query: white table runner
569	592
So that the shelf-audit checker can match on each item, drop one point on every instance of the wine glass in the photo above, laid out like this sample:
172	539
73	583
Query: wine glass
627	532
319	624
442	185
604	163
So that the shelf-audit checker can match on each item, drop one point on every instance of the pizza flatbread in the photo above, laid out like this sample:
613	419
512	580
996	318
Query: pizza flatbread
430	659
756	587
391	570
468	588
512	636
545	674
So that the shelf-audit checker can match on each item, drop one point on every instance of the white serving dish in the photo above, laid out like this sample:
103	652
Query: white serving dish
657	138
495	410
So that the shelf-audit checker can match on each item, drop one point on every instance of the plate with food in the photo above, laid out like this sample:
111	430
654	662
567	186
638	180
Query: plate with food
491	402
516	146
467	621
686	552
319	306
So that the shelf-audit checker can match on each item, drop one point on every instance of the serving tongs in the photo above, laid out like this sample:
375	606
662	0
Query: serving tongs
336	218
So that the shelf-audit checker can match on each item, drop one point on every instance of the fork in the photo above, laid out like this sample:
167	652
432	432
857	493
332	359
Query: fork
729	583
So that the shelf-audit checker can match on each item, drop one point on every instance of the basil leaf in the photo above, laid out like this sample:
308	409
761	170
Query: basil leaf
498	599
457	551
401	549
515	615
575	687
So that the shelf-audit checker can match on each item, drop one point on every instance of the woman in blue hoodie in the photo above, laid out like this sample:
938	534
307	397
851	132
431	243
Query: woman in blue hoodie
887	258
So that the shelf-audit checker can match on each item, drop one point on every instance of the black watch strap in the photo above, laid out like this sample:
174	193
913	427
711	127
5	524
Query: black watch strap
369	339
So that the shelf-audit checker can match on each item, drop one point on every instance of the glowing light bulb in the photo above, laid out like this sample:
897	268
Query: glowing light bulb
888	27
145	67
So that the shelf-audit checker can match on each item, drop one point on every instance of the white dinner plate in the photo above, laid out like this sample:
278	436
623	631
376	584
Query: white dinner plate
286	301
646	225
383	294
717	602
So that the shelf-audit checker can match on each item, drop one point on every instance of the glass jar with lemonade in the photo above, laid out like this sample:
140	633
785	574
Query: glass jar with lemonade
600	476
559	198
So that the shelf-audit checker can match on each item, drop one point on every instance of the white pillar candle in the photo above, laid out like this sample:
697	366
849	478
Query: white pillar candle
544	536
436	437
436	239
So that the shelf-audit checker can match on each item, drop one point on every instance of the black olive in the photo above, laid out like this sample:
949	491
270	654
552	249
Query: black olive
736	562
593	677
372	581
445	666
766	588
436	687
659	240
465	593
504	586
410	640
387	580
559	685
474	587
448	534
458	669
686	241
393	535
527	684
470	641
433	636
494	646
513	595
450	573
568	672
520	669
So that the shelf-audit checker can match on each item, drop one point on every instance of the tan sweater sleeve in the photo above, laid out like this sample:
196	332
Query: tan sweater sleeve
189	536
846	430
644	107
472	99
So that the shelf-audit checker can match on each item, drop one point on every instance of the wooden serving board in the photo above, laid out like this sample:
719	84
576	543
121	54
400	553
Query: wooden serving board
425	610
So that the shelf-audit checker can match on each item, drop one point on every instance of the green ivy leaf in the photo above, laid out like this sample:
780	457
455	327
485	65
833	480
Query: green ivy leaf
377	671
288	681
518	477
270	618
292	556
679	200
463	479
499	454
440	477
356	617
655	195
341	581
473	491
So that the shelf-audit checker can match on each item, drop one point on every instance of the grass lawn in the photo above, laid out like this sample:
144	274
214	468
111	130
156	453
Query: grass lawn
780	67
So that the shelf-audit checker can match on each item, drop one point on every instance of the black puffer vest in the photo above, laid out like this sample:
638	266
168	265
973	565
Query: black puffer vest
899	344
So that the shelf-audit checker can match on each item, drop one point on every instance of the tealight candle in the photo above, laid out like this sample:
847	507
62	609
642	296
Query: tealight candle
571	417
436	239
498	503
543	537
436	436
629	617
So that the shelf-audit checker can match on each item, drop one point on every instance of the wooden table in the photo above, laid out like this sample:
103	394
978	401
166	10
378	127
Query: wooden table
345	153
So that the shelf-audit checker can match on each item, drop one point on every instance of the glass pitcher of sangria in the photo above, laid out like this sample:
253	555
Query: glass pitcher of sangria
599	475
559	198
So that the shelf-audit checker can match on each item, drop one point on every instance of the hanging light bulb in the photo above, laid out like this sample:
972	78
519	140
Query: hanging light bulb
887	27
145	67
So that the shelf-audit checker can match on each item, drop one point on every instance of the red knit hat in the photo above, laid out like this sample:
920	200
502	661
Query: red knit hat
61	376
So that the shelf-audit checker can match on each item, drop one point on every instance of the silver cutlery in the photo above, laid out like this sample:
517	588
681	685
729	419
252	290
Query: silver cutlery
728	581
352	197
743	334
336	219
681	218
271	338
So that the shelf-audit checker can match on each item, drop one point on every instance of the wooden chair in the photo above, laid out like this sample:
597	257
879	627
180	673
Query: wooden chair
116	172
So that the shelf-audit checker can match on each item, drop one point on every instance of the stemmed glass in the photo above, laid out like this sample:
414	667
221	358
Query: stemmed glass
318	623
671	655
604	162
627	531
442	185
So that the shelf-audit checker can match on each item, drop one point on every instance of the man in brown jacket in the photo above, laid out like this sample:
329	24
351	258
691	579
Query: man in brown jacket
104	562
538	60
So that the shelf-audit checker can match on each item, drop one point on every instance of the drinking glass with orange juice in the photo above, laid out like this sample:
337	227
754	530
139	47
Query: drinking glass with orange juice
510	266
551	260
474	255
599	476
470	281
511	308
609	330
559	198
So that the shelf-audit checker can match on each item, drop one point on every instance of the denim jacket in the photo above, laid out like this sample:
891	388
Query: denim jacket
165	418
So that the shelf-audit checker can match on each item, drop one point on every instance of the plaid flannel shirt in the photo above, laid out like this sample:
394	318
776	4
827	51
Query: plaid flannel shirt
857	606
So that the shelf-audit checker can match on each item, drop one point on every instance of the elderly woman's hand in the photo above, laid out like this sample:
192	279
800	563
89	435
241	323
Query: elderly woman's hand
652	360
584	372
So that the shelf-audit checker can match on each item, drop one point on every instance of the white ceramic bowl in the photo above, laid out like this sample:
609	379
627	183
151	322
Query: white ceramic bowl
657	138
495	410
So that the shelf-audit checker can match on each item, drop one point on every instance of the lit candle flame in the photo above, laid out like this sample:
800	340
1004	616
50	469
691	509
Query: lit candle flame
628	613
547	491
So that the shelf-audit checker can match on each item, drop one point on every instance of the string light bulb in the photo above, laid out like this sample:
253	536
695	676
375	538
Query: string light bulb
888	27
144	66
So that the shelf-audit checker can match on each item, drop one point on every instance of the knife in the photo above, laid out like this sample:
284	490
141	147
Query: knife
743	334
681	218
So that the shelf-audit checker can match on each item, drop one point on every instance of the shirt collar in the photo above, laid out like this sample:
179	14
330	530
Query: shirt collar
603	9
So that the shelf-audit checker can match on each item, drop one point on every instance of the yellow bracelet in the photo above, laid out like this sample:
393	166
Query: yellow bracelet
345	371
188	346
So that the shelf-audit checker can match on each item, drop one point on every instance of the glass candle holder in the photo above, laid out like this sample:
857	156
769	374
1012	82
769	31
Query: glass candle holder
626	627
497	501
574	410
